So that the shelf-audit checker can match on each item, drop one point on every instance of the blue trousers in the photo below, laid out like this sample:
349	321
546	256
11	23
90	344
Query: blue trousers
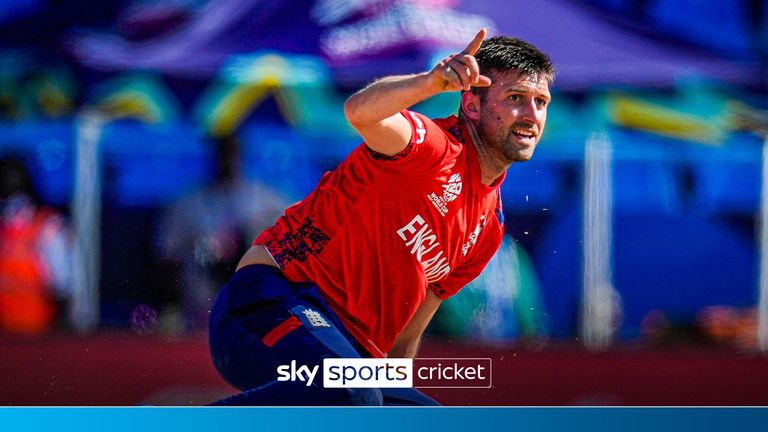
261	321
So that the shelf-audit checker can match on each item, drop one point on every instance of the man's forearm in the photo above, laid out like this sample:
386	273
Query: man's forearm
388	96
407	343
405	349
373	111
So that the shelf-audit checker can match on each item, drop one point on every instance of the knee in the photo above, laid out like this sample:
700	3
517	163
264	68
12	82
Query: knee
364	396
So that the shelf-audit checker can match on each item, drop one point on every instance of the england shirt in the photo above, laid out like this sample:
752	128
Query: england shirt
379	231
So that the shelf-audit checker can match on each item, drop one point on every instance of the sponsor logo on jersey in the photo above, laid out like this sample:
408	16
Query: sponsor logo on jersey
424	245
473	236
451	191
314	318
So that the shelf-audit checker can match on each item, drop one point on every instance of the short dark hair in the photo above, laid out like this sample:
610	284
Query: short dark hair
504	53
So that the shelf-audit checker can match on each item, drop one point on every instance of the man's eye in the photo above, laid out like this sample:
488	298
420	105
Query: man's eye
541	102
515	98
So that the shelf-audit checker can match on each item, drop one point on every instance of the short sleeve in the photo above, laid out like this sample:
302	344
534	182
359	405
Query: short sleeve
427	147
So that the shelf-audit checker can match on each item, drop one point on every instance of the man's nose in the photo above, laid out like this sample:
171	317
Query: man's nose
529	112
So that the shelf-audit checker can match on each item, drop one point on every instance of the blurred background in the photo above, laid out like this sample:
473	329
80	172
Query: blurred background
144	144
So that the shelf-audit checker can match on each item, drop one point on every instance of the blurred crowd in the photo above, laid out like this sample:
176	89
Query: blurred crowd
36	256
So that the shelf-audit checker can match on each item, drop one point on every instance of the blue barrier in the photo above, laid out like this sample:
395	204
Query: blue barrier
675	263
47	149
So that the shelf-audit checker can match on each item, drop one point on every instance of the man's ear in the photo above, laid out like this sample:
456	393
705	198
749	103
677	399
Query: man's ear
470	105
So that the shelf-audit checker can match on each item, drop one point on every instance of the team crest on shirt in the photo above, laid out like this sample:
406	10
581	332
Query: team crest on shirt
451	191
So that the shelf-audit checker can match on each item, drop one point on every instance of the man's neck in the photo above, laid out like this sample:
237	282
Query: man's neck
491	166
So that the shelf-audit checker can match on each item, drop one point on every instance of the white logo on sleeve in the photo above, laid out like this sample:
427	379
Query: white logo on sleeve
421	131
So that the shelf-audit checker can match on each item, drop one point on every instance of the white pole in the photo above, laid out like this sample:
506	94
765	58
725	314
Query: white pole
599	301
86	217
762	305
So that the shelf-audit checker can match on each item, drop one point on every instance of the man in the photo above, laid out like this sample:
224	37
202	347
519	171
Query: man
35	255
359	267
218	223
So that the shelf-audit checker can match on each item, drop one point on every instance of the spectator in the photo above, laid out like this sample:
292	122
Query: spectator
202	236
35	255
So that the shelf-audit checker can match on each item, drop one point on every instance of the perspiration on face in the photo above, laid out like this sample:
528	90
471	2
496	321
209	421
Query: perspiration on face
503	54
513	113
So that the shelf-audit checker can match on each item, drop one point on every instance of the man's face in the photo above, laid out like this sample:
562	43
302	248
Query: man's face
513	114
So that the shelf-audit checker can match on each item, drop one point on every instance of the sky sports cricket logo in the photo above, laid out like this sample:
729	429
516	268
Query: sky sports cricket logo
392	373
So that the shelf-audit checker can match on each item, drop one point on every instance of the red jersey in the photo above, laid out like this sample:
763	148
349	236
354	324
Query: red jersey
379	231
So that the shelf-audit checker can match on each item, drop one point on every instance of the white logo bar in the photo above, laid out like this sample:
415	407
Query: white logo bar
367	373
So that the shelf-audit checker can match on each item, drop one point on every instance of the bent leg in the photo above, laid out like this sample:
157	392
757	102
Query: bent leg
248	344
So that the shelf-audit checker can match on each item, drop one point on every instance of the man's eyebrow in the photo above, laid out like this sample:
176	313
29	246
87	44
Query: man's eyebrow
513	88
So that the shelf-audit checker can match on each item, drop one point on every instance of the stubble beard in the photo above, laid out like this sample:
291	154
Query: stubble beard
501	143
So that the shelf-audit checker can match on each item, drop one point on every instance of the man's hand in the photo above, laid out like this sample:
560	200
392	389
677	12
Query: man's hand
460	71
374	110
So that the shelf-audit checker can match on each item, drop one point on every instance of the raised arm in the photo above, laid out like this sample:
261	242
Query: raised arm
374	110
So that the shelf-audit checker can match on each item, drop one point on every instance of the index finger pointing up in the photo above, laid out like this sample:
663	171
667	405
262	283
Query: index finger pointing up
473	46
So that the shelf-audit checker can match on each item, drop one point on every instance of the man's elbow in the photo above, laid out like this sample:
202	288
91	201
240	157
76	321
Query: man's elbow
354	112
